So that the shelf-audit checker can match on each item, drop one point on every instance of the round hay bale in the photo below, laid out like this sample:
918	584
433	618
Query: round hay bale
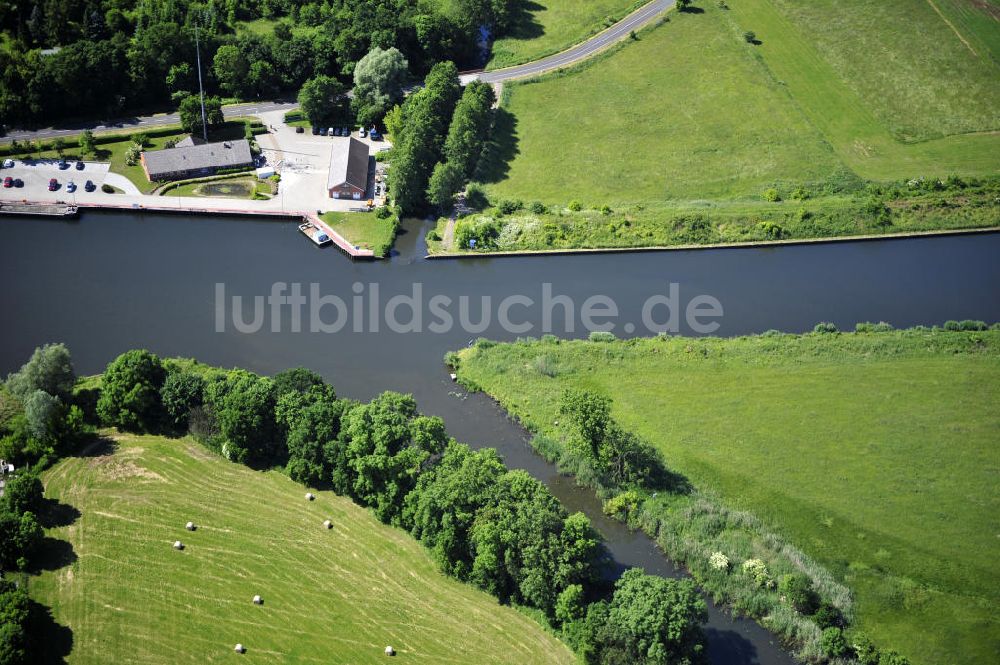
178	545
328	524
190	526
309	496
389	651
239	648
257	600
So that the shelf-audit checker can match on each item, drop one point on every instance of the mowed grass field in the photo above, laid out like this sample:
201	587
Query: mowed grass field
543	27
874	453
364	229
686	112
692	111
330	596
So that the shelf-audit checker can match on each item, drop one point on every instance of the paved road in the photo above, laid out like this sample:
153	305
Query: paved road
141	122
619	31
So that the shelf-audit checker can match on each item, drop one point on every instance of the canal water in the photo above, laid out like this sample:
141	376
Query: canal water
114	281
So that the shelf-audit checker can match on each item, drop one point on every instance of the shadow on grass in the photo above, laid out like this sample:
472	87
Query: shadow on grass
691	9
501	149
49	642
97	446
53	513
53	554
523	24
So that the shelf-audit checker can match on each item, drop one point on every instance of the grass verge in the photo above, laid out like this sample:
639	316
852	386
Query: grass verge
364	229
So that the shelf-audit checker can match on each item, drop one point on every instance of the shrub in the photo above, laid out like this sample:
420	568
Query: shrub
972	326
828	616
771	195
833	644
866	327
825	328
383	212
756	570
475	197
798	590
750	37
719	561
605	210
771	231
509	206
130	392
602	336
575	206
622	505
539	208
952	326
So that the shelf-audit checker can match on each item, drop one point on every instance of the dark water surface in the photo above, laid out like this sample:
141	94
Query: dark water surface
111	282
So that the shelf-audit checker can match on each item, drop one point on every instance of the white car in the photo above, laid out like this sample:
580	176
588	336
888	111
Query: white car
8	163
362	132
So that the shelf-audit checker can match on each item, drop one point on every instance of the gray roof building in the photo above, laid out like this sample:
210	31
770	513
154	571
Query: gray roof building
192	160
348	176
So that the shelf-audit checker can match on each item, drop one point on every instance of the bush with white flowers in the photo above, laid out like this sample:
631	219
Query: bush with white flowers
719	561
757	571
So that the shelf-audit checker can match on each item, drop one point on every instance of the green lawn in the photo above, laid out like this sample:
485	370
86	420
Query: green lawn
364	229
544	27
238	188
338	595
874	453
686	112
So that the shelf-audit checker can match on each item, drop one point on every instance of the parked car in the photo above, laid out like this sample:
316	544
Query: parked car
332	131
53	184
63	164
300	130
375	136
362	133
79	166
8	182
346	131
89	186
70	186
18	182
315	130
8	163
322	131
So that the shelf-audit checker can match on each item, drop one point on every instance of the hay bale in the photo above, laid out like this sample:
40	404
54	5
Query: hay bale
178	545
239	648
257	600
190	526
309	496
389	651
328	524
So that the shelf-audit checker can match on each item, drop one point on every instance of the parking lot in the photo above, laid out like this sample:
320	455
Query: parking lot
35	175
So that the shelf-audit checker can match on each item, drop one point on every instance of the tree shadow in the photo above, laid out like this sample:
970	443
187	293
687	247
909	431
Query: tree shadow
53	513
691	9
98	446
494	165
522	23
728	646
53	554
49	642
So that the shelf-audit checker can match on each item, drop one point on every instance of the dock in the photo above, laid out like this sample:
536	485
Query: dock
60	210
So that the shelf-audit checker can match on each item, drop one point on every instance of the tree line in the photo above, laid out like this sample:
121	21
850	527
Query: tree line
496	528
114	57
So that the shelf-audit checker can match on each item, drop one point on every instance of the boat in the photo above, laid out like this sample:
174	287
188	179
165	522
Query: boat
314	233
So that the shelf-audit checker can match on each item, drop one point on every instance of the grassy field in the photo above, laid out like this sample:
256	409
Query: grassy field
693	112
364	229
338	595
874	453
544	27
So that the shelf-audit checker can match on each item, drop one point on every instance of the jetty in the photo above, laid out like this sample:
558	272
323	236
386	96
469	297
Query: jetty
61	210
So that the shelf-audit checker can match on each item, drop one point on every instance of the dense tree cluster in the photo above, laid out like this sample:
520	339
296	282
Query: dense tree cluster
468	134
116	55
14	624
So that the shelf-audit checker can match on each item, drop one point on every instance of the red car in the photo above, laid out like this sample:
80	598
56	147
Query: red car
53	184
8	182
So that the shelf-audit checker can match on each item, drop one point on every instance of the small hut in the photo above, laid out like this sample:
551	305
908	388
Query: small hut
389	651
257	600
178	545
328	524
239	648
309	496
190	526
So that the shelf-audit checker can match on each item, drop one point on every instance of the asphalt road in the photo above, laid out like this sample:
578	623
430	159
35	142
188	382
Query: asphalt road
619	31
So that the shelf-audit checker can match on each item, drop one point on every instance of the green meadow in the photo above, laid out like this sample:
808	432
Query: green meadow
336	595
828	96
544	27
875	453
364	229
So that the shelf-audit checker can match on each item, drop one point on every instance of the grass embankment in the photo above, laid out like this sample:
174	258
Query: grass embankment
692	118
550	26
364	229
343	593
875	453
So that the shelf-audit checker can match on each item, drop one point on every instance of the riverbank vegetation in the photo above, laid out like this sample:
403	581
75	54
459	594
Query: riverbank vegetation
778	214
689	124
372	230
855	459
497	529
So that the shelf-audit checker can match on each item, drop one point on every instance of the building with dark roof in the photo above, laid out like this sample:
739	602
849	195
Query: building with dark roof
348	178
191	161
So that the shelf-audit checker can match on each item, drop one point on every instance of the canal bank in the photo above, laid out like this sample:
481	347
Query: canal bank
136	279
